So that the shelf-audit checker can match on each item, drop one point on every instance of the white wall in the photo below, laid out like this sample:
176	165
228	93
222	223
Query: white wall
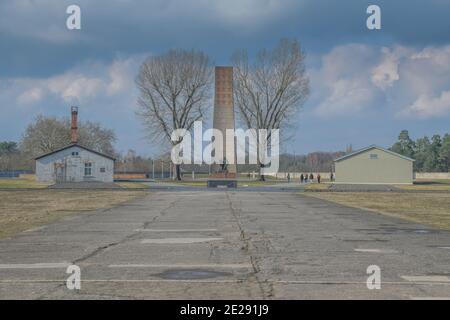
45	167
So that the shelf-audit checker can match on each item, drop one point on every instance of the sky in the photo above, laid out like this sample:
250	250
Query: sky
366	85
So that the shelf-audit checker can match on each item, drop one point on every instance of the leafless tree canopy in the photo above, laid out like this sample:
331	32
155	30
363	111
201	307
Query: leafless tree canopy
47	134
270	91
174	91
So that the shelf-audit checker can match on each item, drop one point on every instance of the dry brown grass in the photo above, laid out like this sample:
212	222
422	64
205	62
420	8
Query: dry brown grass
437	185
21	184
431	209
22	210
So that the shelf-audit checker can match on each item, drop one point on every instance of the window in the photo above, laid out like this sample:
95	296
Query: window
102	170
75	153
373	156
88	169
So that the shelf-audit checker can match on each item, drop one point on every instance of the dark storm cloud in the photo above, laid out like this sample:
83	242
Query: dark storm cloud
35	41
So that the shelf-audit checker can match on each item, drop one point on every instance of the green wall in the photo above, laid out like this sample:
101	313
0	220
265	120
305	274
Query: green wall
387	168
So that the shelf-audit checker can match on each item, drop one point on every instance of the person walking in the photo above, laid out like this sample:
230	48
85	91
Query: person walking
289	177
311	177
302	178
318	178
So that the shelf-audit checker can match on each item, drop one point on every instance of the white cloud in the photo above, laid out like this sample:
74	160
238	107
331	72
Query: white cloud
428	107
386	73
30	96
343	85
346	96
121	76
71	85
404	81
79	84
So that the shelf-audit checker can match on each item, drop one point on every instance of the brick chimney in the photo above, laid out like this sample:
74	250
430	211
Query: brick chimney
74	125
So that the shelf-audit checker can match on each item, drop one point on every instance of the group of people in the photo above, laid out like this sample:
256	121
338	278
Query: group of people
305	178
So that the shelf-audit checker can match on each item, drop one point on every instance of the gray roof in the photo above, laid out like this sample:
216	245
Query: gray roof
369	148
75	145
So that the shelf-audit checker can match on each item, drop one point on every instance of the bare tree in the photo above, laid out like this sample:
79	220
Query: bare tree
174	93
47	134
92	135
270	92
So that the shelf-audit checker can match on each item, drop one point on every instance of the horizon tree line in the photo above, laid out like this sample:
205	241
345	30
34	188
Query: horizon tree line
431	154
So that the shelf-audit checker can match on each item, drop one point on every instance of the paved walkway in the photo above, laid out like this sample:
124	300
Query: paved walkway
242	187
215	245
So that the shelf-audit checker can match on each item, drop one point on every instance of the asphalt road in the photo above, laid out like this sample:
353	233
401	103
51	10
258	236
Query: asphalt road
227	245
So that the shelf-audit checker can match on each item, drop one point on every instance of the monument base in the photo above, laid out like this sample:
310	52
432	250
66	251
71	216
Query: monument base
222	183
223	175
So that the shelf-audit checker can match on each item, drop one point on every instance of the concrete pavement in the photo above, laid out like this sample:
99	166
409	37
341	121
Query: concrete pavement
227	245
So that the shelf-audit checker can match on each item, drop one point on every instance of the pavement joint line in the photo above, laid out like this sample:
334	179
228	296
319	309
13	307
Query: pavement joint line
431	279
430	298
124	280
178	240
175	230
35	265
375	250
225	281
353	282
187	266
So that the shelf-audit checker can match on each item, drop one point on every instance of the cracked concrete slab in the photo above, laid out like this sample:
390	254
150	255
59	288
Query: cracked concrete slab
266	246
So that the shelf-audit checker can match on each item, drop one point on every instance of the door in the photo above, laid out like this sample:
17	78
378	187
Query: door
60	173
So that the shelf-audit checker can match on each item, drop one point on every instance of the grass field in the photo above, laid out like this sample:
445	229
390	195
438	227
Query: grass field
431	209
30	184
427	185
424	185
22	210
21	184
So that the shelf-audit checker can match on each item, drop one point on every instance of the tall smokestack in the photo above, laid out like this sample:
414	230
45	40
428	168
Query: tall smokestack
74	125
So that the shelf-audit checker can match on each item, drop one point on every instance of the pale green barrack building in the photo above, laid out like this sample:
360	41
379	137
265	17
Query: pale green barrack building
374	165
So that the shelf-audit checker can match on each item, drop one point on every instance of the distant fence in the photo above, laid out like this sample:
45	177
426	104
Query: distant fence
326	175
432	175
141	175
296	175
14	173
130	176
29	175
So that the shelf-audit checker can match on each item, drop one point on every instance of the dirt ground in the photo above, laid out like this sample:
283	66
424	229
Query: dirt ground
431	209
22	210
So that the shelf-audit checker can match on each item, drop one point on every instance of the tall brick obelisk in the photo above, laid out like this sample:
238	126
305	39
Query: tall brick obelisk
224	116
